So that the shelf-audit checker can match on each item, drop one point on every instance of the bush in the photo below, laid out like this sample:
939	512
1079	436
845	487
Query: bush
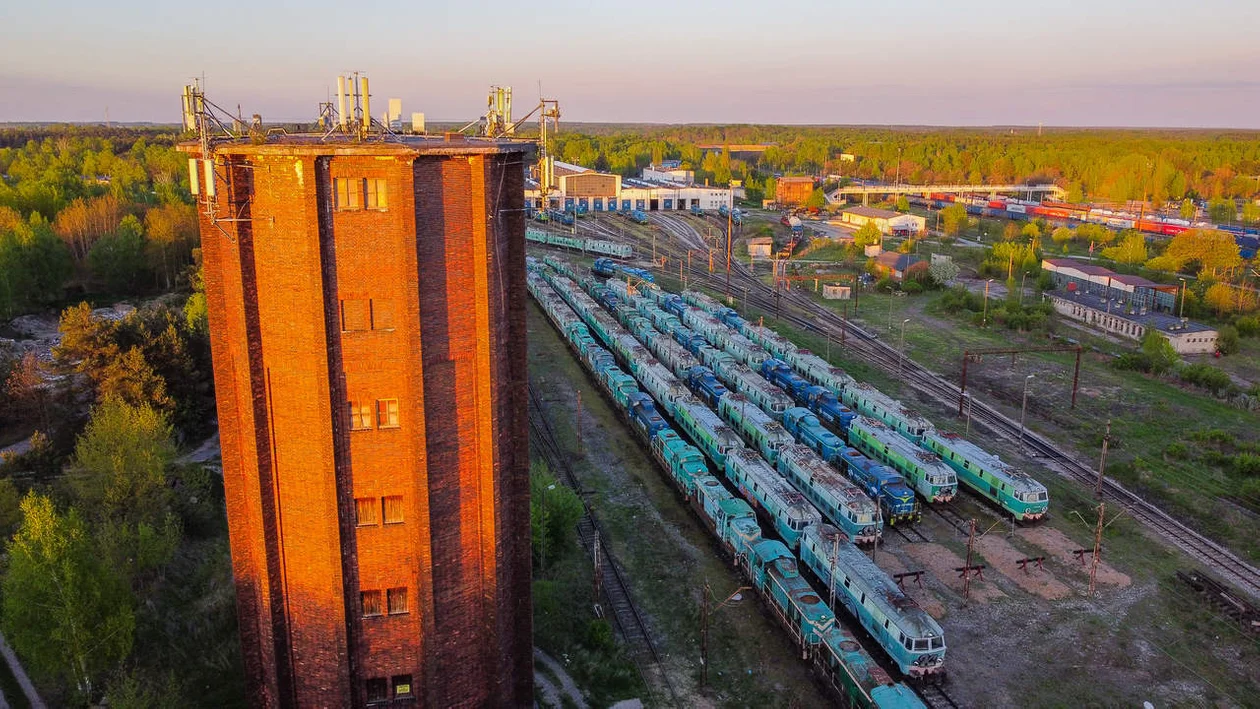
1227	339
1246	464
1177	450
1133	362
1247	326
912	287
1205	376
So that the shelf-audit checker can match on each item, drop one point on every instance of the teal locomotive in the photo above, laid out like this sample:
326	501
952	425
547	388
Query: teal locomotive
838	499
1013	490
904	630
933	479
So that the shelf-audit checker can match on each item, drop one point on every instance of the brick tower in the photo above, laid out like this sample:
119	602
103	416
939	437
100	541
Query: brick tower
366	305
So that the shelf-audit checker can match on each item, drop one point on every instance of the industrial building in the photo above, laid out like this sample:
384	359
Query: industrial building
1075	276
366	301
1133	322
668	173
886	221
576	187
792	191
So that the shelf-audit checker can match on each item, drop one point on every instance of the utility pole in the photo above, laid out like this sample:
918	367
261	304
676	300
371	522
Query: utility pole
1102	462
969	400
598	579
1093	570
705	612
971	541
1022	411
831	586
579	417
984	319
902	348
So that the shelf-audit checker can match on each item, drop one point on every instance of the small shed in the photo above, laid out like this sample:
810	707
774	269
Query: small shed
760	246
835	291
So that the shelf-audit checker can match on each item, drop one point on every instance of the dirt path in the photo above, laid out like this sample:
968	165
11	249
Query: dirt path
921	595
567	686
1060	548
1003	558
207	451
942	562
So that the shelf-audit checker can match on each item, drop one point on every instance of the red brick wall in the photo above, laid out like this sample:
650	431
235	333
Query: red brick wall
447	256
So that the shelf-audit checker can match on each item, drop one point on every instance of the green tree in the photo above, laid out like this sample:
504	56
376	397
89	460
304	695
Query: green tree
1188	210
1159	351
1222	211
1251	212
1010	232
172	231
554	511
1227	339
67	612
953	219
10	508
816	199
1062	235
117	260
903	204
1215	251
867	235
1132	250
119	475
1030	231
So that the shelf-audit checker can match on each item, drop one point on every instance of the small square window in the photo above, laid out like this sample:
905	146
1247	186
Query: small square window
348	194
371	603
387	413
377	690
360	416
402	687
355	315
397	598
393	509
382	314
376	194
365	511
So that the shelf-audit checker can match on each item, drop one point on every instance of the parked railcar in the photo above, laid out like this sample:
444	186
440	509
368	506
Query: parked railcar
804	425
1013	490
706	385
684	462
661	383
690	339
773	342
836	497
756	426
700	300
775	573
819	371
786	510
869	401
707	430
910	636
769	397
884	485
933	479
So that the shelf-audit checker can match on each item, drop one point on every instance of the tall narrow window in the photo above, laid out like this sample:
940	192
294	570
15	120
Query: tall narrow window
348	194
360	416
393	509
371	603
376	196
387	413
377	690
365	511
397	598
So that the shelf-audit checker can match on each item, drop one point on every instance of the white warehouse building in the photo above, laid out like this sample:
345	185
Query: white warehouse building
577	187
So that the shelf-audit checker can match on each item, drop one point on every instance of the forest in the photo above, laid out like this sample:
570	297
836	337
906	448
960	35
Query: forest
116	581
1094	165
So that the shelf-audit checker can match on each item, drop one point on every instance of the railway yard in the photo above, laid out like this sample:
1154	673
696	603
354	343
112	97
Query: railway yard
1030	613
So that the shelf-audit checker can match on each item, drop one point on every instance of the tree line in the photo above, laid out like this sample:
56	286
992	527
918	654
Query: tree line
1096	165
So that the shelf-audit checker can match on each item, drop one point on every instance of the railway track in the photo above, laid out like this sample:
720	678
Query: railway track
806	314
935	696
625	614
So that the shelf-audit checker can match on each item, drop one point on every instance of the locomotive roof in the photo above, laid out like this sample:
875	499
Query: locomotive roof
890	404
907	449
990	463
829	479
878	585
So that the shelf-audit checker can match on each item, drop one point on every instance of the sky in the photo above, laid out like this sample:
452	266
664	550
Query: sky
904	62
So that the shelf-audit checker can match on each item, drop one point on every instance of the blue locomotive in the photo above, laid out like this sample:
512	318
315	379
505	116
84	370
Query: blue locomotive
884	485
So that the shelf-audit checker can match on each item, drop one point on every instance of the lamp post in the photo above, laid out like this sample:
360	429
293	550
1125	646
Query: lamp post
542	552
890	306
1023	279
1182	310
902	349
984	319
1024	410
